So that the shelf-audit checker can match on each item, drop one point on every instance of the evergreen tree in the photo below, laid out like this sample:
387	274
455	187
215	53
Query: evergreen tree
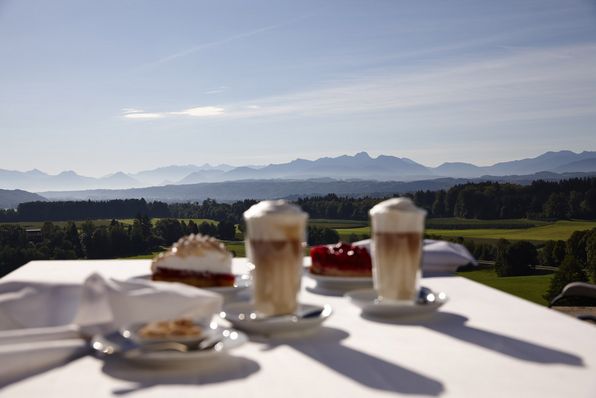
559	252
168	230
569	271
207	228
557	206
192	227
591	254
72	235
226	230
516	259
438	207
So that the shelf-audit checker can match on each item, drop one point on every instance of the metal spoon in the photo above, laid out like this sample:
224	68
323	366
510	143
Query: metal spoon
114	343
427	296
306	314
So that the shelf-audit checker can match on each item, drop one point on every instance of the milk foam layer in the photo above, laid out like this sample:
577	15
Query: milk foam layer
275	220
196	253
397	215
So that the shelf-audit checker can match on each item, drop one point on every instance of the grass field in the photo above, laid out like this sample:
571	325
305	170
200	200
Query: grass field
463	223
541	232
337	224
556	230
483	230
527	287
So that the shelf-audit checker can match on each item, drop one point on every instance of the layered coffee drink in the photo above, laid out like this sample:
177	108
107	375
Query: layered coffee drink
275	235
397	228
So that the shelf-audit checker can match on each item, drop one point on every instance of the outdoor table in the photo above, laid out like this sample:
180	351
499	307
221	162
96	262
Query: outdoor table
482	343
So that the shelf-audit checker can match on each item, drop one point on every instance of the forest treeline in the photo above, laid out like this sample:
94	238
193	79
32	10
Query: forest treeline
115	240
84	210
572	198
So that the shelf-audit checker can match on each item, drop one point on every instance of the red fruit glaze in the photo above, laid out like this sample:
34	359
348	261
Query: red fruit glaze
340	259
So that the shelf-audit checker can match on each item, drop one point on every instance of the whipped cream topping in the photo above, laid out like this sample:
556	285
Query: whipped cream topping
197	253
397	215
275	220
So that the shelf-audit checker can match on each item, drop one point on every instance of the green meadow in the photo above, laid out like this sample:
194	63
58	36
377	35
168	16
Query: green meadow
539	231
552	231
530	287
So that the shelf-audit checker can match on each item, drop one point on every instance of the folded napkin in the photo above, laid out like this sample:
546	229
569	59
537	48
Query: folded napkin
438	256
43	325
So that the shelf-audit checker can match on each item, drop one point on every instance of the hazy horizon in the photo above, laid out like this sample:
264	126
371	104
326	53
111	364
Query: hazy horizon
130	86
265	164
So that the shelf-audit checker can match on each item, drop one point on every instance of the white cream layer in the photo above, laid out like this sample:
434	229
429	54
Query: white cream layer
275	220
397	215
211	261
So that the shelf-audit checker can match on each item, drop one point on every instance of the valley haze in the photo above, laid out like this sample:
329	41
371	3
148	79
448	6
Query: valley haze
356	175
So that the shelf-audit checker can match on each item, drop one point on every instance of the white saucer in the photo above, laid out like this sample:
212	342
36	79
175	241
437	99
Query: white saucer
343	283
368	300
132	332
230	339
244	317
241	284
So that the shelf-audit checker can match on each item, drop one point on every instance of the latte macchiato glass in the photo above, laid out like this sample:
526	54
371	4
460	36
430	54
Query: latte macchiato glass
275	235
397	228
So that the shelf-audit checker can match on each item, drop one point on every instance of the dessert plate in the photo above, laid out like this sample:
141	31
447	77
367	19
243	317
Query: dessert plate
307	318
132	333
221	340
368	300
340	282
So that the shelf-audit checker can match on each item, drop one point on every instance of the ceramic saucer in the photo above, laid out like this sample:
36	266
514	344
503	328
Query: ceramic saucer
370	303
243	316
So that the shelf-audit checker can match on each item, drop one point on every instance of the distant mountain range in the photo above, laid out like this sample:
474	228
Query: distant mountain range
11	199
359	166
289	189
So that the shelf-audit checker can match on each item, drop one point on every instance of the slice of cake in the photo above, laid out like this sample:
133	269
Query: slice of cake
342	259
196	260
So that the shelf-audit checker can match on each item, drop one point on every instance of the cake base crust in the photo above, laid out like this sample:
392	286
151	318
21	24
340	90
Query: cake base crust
196	279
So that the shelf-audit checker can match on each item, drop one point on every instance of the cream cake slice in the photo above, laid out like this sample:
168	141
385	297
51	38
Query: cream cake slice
196	260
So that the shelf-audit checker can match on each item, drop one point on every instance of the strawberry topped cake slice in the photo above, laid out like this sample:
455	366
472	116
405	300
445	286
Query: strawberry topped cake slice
196	260
342	259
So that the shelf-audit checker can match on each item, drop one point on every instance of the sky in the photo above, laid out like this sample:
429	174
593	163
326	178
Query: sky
129	85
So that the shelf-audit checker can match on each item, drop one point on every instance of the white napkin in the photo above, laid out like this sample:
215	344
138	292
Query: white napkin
41	324
438	256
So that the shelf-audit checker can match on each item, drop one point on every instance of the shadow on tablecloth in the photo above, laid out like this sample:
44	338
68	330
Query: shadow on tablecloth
325	347
213	371
454	325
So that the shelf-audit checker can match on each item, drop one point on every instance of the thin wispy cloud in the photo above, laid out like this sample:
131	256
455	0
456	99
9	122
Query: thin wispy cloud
214	43
217	90
229	39
196	112
532	84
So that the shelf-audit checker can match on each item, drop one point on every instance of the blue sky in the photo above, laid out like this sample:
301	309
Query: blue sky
99	87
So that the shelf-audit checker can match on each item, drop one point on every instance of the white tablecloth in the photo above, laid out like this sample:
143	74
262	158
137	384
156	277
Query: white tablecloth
483	343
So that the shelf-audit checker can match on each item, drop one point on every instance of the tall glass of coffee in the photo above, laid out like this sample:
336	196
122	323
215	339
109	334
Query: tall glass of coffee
397	228
275	235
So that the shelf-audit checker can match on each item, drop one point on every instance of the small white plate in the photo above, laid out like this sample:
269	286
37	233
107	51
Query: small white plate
230	339
132	332
343	283
244	317
368	300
